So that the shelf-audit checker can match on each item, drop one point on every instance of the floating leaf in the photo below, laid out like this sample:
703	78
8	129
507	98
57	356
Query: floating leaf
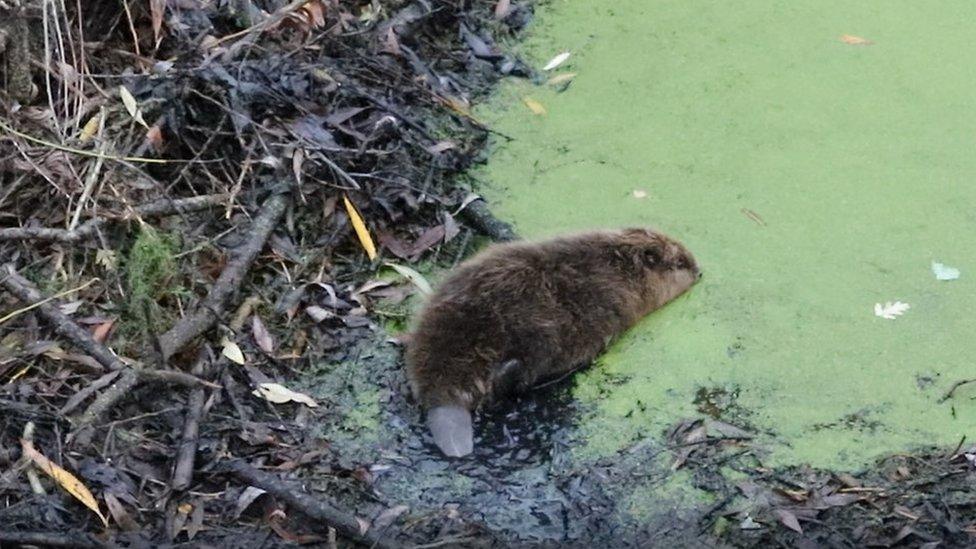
534	106
561	78
855	40
944	272
232	352
131	106
891	310
413	276
360	227
556	61
66	480
639	193
279	394
261	335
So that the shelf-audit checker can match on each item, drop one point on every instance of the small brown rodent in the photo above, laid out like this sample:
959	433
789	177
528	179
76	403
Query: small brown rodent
521	312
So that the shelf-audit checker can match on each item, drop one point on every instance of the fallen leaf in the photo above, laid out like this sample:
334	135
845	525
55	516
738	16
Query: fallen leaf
561	78
413	276
246	498
556	61
319	314
66	480
90	128
119	514
855	40
387	517
155	138
261	335
639	193
944	272
131	106
502	8
101	332
891	310
789	520
534	106
360	227
156	11
749	524
107	259
232	352
279	394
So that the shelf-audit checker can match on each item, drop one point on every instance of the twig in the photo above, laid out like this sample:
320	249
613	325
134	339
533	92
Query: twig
480	217
87	229
185	456
51	539
309	506
32	306
219	297
955	386
83	152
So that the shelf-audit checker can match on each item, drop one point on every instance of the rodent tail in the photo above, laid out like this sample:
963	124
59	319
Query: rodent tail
451	427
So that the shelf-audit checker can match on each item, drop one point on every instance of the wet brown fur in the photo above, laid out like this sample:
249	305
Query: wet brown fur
522	312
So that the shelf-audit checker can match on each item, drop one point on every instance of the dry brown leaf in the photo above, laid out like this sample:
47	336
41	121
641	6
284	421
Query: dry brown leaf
261	335
66	480
119	514
154	136
360	227
90	128
855	40
279	394
534	106
101	332
789	520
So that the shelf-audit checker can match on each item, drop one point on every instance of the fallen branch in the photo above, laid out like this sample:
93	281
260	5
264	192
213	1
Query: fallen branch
480	217
87	230
219	297
186	454
51	539
309	506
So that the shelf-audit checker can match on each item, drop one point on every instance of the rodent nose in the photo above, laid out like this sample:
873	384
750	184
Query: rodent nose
699	276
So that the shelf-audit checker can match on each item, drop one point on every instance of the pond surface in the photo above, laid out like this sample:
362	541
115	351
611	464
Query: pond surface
811	177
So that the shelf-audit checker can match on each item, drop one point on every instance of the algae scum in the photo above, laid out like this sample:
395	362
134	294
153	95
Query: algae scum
811	177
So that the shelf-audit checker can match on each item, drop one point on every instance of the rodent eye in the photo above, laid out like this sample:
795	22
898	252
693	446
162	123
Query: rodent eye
682	264
652	257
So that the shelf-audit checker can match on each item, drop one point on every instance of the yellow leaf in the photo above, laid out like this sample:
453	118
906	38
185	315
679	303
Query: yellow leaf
534	106
560	78
66	480
233	352
855	40
90	128
360	227
279	394
413	276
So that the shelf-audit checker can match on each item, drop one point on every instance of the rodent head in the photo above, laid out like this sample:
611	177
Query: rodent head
668	269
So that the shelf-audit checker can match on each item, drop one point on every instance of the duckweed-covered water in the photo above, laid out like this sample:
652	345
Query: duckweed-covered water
812	178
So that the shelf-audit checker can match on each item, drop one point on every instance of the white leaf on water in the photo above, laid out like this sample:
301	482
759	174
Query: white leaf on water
890	310
944	272
556	61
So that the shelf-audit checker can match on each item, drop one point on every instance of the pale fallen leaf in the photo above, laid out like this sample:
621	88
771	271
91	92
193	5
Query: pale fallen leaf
944	272
413	276
101	332
232	351
90	128
556	61
749	524
246	498
534	106
279	394
154	136
639	193
261	335
890	310
66	480
131	106
560	78
107	259
855	40
360	227
502	8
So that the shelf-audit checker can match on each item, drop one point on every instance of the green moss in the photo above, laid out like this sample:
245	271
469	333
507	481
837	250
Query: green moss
811	178
150	267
